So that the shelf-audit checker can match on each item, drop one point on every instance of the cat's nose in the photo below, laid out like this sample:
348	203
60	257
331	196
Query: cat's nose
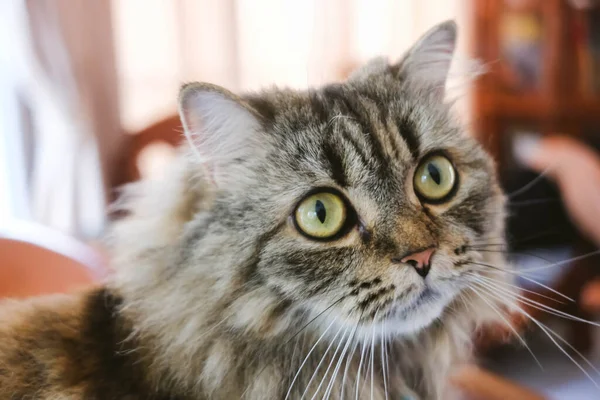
419	260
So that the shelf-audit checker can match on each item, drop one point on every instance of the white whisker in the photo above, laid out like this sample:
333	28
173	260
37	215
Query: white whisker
331	363
348	363
531	183
563	262
307	356
538	305
320	362
339	363
362	356
519	288
547	331
373	355
383	357
529	279
509	325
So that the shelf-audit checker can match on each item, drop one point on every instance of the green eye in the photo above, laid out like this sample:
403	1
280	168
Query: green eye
435	178
321	215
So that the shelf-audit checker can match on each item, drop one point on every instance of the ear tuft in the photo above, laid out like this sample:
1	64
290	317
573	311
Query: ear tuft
219	125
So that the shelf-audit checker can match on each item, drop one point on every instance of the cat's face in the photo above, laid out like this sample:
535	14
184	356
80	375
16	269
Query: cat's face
374	208
361	200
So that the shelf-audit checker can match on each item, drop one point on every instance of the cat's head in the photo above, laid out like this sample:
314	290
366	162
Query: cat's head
363	200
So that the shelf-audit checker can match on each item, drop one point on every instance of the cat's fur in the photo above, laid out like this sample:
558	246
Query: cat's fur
217	296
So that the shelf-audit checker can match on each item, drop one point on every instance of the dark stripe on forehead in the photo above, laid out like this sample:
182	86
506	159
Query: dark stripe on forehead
335	163
408	131
341	128
350	104
334	146
348	142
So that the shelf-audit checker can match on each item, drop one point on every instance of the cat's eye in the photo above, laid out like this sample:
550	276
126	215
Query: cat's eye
321	215
435	178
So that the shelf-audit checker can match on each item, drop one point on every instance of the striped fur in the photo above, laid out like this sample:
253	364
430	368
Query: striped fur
217	296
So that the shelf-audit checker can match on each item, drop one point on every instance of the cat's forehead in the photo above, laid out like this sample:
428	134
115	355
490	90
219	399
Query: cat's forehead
365	133
379	107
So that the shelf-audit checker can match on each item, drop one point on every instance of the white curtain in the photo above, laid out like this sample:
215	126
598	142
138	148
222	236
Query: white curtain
70	69
51	167
249	44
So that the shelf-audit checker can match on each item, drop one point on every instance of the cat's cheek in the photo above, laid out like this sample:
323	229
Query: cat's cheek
261	313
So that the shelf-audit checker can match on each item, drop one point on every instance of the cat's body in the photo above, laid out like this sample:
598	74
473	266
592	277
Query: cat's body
77	347
223	291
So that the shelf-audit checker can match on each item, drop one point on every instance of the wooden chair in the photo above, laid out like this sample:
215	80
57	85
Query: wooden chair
165	131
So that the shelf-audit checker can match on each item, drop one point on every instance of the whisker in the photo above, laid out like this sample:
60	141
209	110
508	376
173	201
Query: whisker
313	320
563	262
296	334
546	330
373	354
331	363
538	305
306	358
508	252
294	353
532	202
362	355
531	183
545	233
523	277
329	388
319	364
509	325
348	363
486	278
383	352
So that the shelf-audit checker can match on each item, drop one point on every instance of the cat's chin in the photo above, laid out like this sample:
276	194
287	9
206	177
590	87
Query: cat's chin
421	312
405	320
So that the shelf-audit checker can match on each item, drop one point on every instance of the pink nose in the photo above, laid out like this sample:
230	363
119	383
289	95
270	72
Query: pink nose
420	261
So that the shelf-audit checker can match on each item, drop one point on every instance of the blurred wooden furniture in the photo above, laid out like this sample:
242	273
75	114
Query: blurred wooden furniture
590	298
167	131
558	99
36	261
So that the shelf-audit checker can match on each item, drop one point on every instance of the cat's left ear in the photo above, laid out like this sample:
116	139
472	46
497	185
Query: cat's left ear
428	61
221	127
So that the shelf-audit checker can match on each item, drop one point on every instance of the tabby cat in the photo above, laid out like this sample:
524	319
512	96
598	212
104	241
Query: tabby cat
307	244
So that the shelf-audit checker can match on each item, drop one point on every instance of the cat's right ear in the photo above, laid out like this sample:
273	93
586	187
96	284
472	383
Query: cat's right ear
221	128
428	60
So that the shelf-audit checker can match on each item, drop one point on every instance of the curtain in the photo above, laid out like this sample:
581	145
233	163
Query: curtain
249	44
75	74
60	122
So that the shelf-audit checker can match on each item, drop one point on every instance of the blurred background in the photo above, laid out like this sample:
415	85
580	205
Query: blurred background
88	103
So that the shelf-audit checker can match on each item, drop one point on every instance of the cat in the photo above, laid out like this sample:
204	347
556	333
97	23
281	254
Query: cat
305	244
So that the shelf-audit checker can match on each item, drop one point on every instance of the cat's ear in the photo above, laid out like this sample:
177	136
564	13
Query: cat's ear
220	126
428	60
